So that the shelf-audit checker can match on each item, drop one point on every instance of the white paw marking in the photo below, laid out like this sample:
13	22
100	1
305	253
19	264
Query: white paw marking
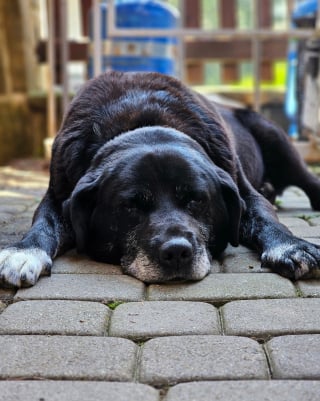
302	256
23	267
277	252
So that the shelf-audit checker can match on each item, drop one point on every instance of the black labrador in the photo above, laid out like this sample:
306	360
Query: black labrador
148	174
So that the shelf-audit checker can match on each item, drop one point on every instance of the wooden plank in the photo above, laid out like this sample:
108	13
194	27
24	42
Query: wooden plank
265	13
266	71
85	13
196	50
192	19
265	21
195	73
228	17
237	49
229	70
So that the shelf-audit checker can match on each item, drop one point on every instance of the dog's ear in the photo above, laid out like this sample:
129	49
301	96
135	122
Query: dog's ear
78	209
235	205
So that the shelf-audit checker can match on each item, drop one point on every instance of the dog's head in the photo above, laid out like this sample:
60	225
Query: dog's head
154	201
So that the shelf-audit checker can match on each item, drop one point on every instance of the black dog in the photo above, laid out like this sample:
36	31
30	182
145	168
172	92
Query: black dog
151	175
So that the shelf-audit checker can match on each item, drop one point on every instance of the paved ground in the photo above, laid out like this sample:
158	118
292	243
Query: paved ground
90	333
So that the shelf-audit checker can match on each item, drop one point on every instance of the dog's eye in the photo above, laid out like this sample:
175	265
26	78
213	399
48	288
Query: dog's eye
197	202
130	210
128	206
144	201
137	203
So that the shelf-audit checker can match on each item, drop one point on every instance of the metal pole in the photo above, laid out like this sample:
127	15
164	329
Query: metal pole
256	58
97	42
317	80
289	13
64	56
51	105
223	34
181	45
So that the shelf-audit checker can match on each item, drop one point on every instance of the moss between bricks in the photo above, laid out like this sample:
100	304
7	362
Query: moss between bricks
308	218
114	304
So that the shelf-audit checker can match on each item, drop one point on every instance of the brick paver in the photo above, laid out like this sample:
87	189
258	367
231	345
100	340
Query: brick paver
85	287
306	232
84	333
169	360
76	391
245	262
295	357
226	287
246	391
55	317
67	357
79	264
271	317
142	320
292	222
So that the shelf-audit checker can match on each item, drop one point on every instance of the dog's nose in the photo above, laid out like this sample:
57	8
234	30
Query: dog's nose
176	253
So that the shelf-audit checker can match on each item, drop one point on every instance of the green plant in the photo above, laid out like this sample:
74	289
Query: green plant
112	305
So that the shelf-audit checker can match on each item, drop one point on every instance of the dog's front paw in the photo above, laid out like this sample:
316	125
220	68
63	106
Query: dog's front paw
293	259
23	267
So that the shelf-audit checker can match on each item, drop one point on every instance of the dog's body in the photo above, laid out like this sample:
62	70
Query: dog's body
151	175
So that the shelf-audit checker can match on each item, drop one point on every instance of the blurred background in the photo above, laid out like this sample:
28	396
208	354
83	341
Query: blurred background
262	54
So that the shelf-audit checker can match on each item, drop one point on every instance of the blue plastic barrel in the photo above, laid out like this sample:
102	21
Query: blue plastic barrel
306	9
139	53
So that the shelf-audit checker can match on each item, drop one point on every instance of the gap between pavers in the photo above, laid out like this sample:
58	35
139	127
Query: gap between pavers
264	318
295	357
55	317
75	391
144	320
246	391
67	358
170	360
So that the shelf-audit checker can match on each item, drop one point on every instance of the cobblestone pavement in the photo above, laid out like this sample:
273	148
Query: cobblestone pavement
89	332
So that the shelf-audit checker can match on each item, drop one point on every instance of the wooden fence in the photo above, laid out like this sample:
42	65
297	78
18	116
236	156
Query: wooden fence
197	52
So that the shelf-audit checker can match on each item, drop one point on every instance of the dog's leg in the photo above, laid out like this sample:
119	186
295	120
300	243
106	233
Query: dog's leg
283	164
279	249
22	263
